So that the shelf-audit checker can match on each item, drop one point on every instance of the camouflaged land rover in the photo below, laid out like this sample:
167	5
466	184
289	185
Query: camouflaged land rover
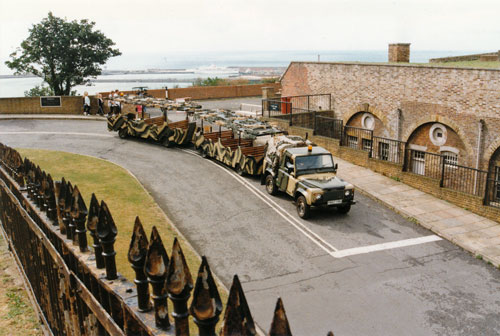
307	173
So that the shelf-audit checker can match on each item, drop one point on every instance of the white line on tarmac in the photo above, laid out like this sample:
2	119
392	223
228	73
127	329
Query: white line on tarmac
62	133
327	247
386	246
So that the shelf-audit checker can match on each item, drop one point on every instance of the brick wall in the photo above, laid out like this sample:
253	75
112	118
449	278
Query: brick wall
31	105
455	97
215	92
209	92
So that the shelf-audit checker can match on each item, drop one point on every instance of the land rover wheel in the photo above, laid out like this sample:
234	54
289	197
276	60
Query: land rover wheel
122	133
166	142
303	209
239	170
344	208
270	186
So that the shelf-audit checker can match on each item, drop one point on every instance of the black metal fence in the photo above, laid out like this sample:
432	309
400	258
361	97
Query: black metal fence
464	179
424	163
316	102
328	127
77	289
358	138
389	150
492	196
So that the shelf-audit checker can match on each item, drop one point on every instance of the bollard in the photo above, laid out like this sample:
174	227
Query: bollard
237	318
156	269
179	286
280	326
106	231
137	257
79	213
206	305
92	220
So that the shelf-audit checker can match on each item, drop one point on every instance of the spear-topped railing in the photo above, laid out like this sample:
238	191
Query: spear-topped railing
45	223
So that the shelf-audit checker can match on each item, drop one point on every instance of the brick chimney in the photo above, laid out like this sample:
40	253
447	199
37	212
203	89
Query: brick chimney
399	52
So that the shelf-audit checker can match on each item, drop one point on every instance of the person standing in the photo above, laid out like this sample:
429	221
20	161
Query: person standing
86	103
100	105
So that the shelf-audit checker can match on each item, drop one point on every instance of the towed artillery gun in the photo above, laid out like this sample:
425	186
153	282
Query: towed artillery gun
157	129
305	172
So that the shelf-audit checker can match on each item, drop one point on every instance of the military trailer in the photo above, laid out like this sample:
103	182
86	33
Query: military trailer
307	173
237	153
156	129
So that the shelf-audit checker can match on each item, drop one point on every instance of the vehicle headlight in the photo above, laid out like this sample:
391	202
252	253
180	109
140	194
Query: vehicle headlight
347	192
317	196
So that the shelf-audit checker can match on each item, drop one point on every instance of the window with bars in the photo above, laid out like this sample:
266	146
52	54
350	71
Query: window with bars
383	151
367	144
497	184
450	158
352	141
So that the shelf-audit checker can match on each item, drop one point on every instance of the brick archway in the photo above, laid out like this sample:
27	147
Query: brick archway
365	108
439	119
493	149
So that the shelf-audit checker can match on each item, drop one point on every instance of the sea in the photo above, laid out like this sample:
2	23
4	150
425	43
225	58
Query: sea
218	64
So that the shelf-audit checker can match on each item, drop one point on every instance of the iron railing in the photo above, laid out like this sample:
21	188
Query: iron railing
424	163
328	127
358	138
77	289
464	179
389	150
492	193
315	102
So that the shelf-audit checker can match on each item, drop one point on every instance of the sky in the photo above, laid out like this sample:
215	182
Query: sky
197	26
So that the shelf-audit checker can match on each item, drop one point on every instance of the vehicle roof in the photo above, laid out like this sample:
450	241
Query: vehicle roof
301	151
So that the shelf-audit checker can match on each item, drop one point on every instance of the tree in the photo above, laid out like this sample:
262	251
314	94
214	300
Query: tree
63	53
38	91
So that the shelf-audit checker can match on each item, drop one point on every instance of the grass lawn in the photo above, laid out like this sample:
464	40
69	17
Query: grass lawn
125	197
17	316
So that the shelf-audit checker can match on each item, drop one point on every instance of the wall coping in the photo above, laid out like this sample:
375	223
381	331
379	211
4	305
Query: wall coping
374	64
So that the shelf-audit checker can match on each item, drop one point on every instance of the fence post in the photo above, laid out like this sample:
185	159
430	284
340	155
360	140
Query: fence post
314	122
486	198
441	183
370	155
308	104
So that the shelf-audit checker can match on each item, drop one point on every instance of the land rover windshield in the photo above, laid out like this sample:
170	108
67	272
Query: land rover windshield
309	164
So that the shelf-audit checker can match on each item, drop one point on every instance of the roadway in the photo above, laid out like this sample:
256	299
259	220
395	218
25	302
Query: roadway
368	272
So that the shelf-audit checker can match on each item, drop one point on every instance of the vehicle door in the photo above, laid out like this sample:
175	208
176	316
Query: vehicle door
284	171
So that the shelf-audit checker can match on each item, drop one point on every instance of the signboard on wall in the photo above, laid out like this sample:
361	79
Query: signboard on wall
50	101
275	106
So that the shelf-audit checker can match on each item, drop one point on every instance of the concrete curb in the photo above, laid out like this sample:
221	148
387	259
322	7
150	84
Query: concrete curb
50	117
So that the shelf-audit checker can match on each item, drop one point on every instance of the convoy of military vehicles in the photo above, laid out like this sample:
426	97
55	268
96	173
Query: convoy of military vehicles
284	163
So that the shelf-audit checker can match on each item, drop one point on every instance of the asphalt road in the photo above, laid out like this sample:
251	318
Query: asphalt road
431	288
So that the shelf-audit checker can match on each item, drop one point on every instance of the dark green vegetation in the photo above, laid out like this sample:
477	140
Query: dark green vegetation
63	53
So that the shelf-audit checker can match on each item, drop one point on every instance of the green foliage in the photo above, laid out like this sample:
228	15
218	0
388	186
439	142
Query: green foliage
395	178
269	80
216	81
63	53
39	91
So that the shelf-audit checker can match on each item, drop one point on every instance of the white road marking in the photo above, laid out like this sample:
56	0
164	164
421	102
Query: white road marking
386	246
61	133
327	247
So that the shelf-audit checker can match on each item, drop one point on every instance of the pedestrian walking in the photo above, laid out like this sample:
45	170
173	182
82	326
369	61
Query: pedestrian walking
86	103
